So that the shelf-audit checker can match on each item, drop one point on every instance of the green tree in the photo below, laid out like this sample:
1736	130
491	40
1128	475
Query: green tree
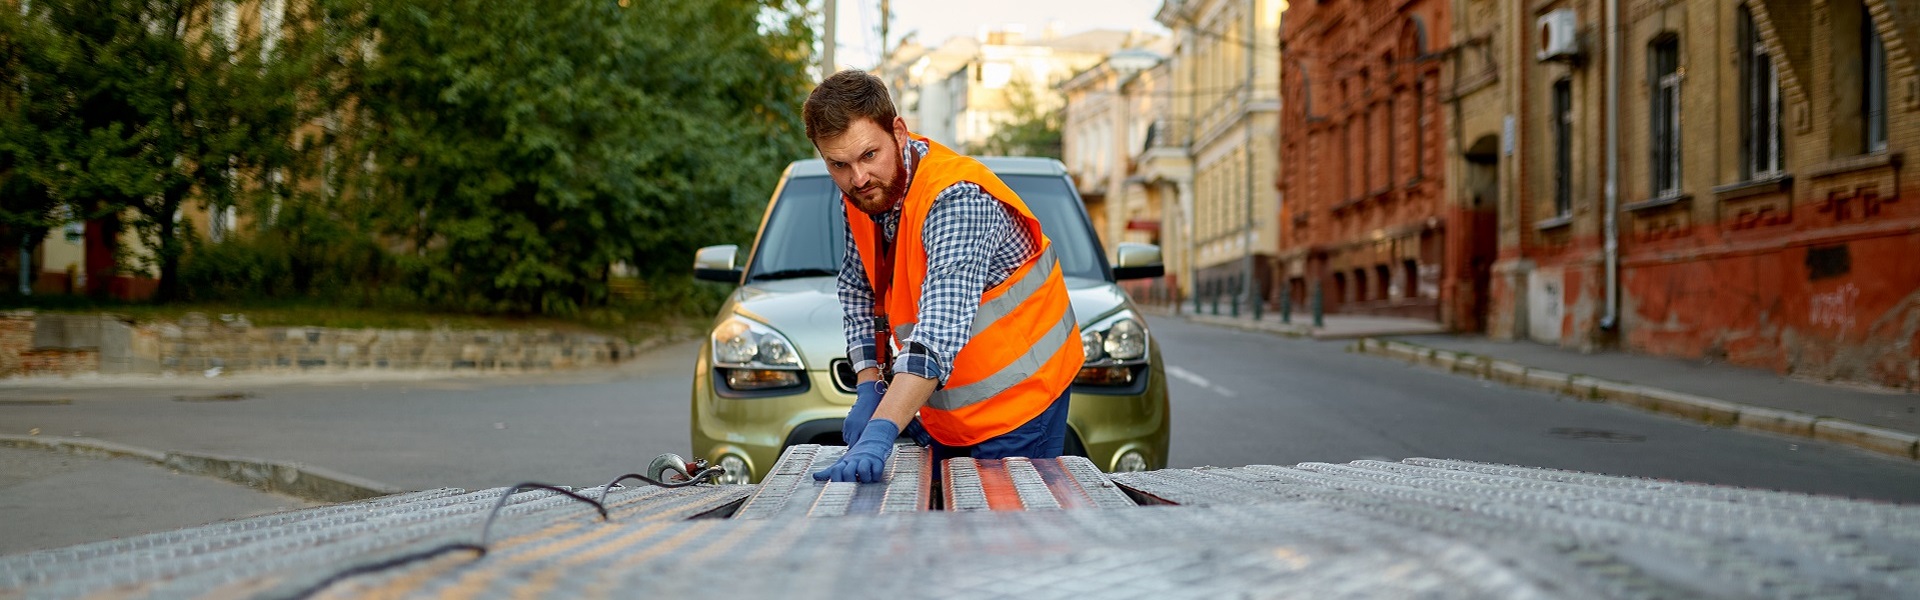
137	107
518	150
27	208
1032	130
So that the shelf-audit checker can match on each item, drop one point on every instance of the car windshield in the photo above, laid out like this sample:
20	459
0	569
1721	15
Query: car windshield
805	236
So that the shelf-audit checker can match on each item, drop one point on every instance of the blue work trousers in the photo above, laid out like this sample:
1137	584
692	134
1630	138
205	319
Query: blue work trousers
1045	436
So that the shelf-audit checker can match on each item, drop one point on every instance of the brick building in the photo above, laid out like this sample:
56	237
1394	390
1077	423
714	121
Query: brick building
1755	186
1367	223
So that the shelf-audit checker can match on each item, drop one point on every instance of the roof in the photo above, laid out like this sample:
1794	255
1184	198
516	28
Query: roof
1000	165
1035	528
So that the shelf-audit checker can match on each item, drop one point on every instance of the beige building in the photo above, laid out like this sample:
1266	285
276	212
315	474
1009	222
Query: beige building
959	92
1225	73
1117	112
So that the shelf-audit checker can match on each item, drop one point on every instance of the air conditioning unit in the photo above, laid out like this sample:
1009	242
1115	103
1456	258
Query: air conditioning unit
1556	31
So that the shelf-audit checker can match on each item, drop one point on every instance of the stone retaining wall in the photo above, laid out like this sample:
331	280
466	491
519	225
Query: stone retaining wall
33	344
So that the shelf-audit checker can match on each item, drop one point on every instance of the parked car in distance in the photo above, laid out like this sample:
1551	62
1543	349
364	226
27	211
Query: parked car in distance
774	371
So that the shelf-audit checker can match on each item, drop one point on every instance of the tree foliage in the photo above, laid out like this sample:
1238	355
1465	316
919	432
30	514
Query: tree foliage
1032	130
137	107
491	156
535	145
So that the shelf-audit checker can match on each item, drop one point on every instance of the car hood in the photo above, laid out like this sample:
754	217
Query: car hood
807	311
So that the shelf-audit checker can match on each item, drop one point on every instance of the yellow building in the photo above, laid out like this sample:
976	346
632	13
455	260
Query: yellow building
1225	72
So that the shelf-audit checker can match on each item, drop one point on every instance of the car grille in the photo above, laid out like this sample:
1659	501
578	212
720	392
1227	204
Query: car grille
843	376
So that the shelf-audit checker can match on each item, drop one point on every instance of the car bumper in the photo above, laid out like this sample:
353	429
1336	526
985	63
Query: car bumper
754	430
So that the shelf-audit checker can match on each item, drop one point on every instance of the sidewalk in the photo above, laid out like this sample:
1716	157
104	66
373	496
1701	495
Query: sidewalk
53	499
1882	421
1334	327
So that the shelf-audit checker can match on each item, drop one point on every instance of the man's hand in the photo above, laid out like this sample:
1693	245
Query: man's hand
866	398
866	461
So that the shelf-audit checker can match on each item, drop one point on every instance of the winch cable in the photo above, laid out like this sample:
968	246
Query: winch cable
704	474
486	530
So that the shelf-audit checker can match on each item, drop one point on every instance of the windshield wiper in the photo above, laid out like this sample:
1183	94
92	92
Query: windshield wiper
794	274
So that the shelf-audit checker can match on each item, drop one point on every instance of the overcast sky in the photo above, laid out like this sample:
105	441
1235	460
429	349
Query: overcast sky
937	20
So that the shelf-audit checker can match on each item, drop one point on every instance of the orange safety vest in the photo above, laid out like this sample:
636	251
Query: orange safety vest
1025	347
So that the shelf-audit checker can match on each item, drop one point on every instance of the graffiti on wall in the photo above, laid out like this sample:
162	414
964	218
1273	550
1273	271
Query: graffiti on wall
1834	309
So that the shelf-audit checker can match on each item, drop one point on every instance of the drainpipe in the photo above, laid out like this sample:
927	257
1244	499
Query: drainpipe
1611	321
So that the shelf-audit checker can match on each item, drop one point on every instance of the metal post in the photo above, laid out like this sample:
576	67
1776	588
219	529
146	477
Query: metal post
1286	305
1319	311
1252	53
1259	296
1235	301
827	65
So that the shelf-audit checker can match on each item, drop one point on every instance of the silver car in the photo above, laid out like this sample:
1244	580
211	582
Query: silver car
774	372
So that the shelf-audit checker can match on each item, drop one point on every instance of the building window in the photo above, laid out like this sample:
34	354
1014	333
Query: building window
1760	102
1563	147
1873	65
1420	125
1664	133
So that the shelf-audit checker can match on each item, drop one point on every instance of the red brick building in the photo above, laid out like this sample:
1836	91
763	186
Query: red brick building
1367	223
1756	209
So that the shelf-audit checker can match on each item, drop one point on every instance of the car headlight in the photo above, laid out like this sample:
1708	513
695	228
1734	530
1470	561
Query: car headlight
1115	348
752	356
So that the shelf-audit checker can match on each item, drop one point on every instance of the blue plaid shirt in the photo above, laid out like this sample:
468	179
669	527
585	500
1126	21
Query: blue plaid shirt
973	243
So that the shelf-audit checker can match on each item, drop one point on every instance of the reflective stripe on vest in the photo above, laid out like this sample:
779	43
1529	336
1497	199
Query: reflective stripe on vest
955	398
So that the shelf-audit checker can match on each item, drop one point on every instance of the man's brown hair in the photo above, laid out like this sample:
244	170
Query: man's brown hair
847	95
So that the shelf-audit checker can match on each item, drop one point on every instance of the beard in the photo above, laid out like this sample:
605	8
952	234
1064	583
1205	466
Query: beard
878	198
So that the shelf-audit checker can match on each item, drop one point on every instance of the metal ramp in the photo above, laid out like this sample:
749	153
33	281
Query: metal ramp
1038	529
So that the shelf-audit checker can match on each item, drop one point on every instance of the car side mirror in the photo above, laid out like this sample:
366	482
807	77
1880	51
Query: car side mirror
716	263
1137	261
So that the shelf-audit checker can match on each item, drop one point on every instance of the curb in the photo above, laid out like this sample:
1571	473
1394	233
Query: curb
293	479
1712	411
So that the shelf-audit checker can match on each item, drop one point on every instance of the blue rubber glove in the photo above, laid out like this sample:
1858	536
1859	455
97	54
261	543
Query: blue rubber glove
866	398
866	461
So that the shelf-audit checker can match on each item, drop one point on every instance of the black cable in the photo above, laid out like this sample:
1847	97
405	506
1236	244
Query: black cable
362	569
487	529
707	473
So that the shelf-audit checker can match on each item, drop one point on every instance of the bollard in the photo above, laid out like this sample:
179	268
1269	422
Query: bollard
1286	307
1319	311
1259	306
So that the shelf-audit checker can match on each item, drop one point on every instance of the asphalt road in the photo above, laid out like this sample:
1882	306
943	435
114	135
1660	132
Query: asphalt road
1239	398
1244	398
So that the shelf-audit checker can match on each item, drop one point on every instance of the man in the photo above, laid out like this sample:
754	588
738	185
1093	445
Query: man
955	310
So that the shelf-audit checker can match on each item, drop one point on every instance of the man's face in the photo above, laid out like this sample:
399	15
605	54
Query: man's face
865	162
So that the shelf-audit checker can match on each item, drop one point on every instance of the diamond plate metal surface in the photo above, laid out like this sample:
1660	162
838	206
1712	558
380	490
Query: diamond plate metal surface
1628	537
789	489
1067	482
1366	529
